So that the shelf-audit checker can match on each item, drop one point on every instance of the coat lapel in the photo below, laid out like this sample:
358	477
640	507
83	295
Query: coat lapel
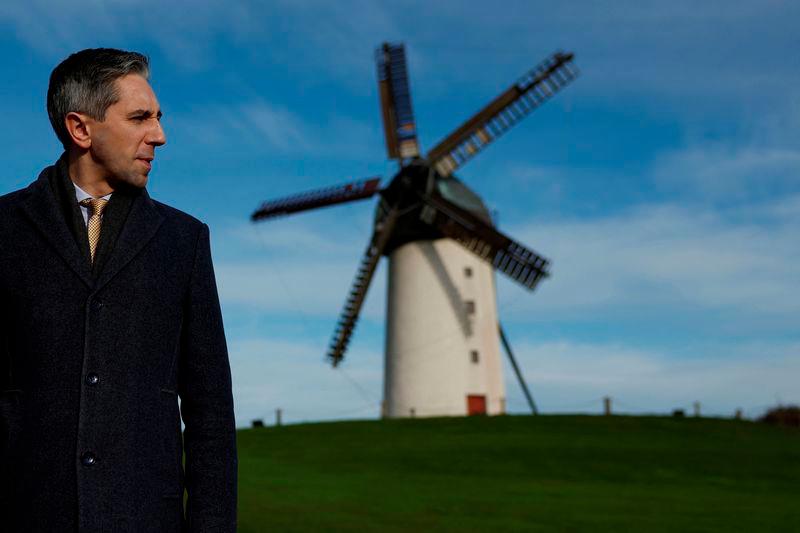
42	208
140	227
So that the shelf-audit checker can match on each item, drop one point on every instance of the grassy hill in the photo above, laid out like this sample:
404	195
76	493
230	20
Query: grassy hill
513	473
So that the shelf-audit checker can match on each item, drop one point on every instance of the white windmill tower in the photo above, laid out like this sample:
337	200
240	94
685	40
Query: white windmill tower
442	331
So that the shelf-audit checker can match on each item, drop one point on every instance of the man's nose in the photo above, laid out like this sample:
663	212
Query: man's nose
156	136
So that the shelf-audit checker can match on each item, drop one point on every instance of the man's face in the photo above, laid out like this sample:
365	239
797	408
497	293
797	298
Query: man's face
123	145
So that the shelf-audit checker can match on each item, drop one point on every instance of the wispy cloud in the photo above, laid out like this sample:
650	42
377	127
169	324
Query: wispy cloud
670	48
301	286
667	257
255	124
56	27
724	172
267	128
564	377
298	266
279	127
326	35
569	376
297	239
292	376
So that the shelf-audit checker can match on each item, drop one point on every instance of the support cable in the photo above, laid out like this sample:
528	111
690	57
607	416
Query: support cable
517	371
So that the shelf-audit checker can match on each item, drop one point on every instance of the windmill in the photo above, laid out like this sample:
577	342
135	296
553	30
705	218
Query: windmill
442	333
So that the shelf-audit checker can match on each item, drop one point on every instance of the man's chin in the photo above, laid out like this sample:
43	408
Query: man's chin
130	182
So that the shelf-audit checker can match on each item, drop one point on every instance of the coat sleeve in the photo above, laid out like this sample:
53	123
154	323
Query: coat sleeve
204	386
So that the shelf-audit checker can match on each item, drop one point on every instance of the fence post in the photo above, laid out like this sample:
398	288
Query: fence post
278	413
607	405
696	409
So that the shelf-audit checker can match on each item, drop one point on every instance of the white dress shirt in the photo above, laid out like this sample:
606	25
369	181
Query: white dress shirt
81	195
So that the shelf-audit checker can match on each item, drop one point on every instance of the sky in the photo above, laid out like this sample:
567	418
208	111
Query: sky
663	184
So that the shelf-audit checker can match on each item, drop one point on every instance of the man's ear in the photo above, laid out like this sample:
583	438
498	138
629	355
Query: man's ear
78	129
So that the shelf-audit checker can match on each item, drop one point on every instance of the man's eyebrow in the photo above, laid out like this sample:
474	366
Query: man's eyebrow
147	113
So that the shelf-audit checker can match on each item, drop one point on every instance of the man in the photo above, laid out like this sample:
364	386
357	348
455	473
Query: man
108	314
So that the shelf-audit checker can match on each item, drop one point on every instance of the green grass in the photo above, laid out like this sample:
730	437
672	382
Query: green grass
513	473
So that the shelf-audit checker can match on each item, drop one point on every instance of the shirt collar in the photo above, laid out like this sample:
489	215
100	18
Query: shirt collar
82	195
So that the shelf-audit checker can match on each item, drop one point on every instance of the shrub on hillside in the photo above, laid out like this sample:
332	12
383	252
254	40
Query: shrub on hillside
783	416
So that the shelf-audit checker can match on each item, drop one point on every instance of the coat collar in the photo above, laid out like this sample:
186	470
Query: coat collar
140	227
41	207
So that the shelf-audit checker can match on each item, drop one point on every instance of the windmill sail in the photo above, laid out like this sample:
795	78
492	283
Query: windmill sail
398	116
492	121
417	205
357	190
358	292
516	261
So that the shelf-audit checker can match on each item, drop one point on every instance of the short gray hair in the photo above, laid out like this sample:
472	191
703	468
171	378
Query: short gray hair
85	83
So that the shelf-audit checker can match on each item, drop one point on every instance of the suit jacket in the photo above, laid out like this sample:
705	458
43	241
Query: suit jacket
93	363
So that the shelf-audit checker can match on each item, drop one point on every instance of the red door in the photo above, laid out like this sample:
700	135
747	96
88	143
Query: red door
476	404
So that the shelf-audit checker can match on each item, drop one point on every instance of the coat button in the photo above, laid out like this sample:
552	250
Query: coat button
92	378
97	305
88	459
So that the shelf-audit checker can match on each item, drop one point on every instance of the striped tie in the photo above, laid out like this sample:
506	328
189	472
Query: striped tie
96	207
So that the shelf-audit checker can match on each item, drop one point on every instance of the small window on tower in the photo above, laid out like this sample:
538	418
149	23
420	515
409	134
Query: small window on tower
467	272
473	355
469	307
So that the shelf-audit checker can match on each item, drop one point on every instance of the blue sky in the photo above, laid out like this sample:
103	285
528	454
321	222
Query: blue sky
664	183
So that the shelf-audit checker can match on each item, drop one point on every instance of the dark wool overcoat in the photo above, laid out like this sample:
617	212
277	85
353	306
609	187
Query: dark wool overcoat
92	365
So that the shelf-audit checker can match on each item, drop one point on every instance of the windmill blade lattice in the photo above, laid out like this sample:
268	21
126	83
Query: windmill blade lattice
358	292
357	190
521	264
398	115
492	121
